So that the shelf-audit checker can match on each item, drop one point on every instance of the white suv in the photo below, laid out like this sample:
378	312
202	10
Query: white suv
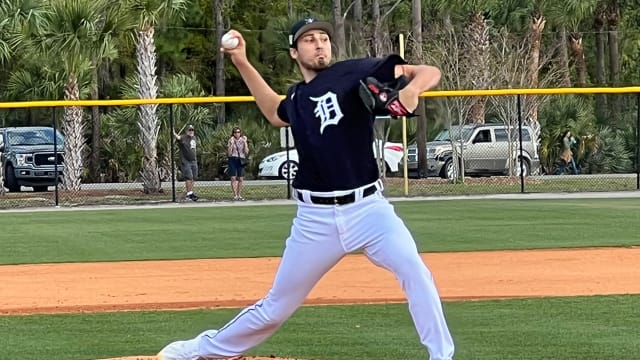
481	149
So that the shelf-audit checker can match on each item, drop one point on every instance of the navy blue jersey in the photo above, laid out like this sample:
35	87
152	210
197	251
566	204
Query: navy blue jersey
332	129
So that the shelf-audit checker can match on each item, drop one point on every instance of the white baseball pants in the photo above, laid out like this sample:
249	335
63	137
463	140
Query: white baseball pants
320	236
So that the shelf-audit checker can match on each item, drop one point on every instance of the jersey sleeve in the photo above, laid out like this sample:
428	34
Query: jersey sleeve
282	110
384	70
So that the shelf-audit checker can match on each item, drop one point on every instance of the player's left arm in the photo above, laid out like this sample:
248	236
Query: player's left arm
421	78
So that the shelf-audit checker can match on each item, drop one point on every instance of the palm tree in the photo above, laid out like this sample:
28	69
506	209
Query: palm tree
71	35
613	21
599	21
417	55
476	43
562	113
19	20
7	31
218	9
116	22
339	33
123	153
150	14
575	12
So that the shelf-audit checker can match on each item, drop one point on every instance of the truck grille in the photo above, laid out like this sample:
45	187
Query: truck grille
43	159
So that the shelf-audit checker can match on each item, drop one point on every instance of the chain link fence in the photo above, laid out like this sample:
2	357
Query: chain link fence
558	152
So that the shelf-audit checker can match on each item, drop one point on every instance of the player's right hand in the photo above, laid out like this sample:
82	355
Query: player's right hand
240	51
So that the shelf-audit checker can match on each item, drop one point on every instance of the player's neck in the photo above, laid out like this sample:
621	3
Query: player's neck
308	74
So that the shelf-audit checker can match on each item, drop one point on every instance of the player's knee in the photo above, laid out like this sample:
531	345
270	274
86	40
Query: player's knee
275	318
276	311
411	266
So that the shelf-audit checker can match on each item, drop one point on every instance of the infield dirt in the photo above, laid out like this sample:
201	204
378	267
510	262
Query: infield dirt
182	284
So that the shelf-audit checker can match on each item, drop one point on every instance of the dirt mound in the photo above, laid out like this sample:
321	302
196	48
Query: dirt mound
156	358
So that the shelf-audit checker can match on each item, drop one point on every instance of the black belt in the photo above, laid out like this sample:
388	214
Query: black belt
338	200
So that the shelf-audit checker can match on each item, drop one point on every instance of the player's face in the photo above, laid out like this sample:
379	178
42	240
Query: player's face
313	50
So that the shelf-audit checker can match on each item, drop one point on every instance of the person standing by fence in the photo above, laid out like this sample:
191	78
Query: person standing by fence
238	149
566	158
188	159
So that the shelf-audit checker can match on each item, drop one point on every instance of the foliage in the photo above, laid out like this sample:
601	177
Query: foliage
567	113
263	138
610	154
185	39
599	149
123	152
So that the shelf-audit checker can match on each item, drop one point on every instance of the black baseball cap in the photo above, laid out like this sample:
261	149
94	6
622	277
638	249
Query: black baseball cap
305	25
190	127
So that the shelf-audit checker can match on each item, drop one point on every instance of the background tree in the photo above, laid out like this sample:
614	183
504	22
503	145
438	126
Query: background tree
578	11
218	9
599	22
339	40
20	20
109	32
190	47
72	35
150	13
417	57
477	53
613	20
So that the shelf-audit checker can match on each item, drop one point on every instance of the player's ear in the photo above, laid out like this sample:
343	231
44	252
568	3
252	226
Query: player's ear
293	52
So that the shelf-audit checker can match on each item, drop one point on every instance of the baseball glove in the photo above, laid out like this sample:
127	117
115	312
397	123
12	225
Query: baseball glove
383	98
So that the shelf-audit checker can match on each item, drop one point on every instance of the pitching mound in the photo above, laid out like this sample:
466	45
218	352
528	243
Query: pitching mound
239	358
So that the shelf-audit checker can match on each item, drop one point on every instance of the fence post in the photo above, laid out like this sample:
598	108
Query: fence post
286	142
521	151
173	166
638	143
55	155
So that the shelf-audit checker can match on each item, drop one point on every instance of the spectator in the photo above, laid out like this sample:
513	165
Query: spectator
566	158
238	149
188	159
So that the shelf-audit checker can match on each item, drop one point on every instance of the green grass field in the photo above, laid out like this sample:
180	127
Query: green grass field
599	327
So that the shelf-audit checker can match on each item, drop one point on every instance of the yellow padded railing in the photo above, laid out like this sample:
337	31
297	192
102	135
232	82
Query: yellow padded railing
234	99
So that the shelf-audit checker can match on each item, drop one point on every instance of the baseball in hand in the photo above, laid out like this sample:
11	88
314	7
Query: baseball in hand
229	41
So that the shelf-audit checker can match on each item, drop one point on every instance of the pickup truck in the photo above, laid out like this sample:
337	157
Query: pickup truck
28	157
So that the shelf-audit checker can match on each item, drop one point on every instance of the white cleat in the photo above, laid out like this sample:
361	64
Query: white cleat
179	350
186	350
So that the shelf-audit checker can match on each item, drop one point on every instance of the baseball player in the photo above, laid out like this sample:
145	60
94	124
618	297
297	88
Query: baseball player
341	208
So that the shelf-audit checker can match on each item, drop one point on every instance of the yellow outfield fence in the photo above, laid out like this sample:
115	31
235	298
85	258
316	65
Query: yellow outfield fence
119	184
235	99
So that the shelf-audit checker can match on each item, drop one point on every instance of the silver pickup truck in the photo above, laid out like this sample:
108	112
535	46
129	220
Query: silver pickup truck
28	157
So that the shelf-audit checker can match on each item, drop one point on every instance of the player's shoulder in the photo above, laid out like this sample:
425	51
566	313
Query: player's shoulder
356	64
366	65
373	61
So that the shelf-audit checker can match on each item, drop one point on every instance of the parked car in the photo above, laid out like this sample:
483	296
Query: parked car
28	157
487	149
277	166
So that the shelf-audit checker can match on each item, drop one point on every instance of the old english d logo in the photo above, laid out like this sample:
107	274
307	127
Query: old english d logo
327	109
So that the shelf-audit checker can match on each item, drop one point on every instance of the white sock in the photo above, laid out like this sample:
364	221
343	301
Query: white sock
190	192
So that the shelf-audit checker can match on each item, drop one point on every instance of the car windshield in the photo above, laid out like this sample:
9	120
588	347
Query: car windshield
455	133
33	137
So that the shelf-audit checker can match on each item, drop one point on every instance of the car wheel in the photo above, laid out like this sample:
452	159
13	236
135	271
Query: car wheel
40	188
10	179
525	167
288	168
449	171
